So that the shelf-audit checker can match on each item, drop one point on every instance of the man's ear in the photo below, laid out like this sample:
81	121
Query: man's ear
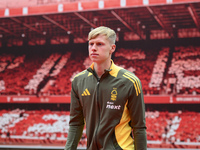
113	47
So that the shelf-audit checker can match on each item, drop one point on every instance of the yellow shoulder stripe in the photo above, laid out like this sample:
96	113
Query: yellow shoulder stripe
83	72
89	74
135	81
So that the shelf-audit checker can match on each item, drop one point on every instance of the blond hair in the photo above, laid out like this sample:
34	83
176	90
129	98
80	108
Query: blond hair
109	33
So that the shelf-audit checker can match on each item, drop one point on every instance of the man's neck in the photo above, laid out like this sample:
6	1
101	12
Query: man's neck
100	68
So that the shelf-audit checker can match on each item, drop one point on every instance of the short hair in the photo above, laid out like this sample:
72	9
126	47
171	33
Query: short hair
102	30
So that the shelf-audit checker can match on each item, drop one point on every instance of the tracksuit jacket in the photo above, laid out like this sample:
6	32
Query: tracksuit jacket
112	108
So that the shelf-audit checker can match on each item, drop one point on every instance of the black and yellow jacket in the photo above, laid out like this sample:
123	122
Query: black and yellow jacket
111	107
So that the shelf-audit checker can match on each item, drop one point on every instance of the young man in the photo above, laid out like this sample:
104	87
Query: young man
108	99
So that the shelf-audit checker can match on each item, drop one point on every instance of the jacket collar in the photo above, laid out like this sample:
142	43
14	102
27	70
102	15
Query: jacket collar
113	71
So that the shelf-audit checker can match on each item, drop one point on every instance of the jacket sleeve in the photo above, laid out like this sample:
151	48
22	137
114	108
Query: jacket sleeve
137	112
74	136
76	123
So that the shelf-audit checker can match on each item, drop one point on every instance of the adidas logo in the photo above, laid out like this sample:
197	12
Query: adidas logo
86	92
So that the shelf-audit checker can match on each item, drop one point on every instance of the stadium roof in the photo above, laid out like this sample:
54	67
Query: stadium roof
53	21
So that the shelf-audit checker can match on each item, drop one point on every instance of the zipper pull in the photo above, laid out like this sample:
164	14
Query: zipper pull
98	80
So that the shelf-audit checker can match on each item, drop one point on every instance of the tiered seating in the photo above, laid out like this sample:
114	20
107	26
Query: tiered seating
140	62
25	73
51	127
49	69
42	72
17	78
156	123
189	130
51	73
7	64
5	59
173	130
62	84
159	68
37	126
186	68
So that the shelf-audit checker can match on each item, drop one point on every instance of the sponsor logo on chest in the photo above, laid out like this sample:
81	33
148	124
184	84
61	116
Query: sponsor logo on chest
113	98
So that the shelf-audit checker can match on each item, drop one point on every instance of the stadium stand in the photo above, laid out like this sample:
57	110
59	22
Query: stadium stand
62	84
141	63
51	73
157	40
51	127
185	66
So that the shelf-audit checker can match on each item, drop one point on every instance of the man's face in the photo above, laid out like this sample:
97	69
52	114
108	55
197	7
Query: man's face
100	49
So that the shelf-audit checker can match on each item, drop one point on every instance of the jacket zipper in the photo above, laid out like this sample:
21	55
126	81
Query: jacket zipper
98	81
